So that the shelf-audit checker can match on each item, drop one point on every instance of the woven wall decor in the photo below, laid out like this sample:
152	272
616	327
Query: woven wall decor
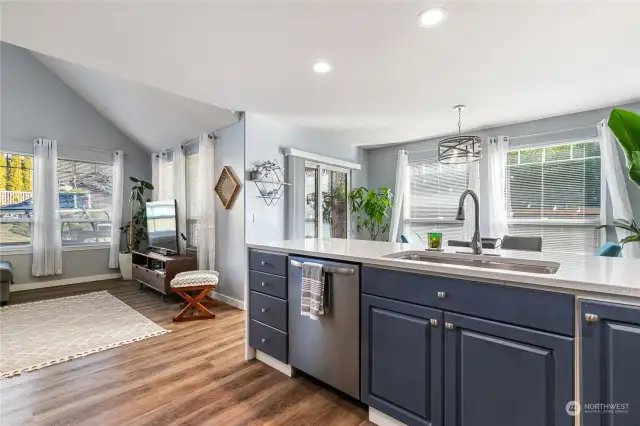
227	188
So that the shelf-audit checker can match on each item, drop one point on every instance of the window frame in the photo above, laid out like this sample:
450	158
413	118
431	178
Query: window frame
88	220
604	191
310	164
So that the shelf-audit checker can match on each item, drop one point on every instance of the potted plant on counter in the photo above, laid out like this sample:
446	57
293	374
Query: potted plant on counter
369	209
135	231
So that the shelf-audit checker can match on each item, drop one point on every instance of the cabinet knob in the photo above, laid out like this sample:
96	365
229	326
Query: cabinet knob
263	263
448	326
264	340
591	318
434	322
265	309
442	295
263	284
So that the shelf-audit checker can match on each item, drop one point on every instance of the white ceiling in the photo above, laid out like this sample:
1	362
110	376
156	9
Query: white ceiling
155	119
508	61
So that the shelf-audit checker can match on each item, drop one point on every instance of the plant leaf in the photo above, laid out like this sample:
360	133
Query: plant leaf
629	239
132	179
634	167
626	126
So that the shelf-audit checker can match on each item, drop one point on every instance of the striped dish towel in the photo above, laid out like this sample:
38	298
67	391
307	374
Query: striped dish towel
312	290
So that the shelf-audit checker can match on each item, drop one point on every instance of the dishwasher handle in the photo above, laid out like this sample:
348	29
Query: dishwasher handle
328	269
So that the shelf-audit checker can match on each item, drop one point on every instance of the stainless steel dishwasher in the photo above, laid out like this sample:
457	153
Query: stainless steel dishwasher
328	348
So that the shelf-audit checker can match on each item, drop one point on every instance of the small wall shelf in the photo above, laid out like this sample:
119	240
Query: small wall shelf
269	179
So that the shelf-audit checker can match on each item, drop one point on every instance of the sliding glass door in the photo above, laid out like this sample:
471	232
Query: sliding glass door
326	205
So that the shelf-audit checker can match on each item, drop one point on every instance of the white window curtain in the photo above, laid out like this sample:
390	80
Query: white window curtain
116	207
616	183
155	176
165	176
469	226
496	165
180	192
206	204
46	231
402	168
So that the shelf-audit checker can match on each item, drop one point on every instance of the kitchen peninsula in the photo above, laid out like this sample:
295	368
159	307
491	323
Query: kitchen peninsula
448	338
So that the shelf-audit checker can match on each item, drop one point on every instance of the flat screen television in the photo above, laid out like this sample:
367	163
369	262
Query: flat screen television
162	226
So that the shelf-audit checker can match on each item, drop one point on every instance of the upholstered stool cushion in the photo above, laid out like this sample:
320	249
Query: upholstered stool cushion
194	279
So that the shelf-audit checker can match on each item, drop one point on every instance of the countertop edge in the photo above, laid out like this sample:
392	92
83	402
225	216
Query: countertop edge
503	277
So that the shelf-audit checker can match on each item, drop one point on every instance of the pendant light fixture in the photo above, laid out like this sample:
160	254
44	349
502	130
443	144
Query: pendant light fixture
459	149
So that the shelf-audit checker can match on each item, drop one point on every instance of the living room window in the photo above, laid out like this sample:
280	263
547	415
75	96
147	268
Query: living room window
85	195
431	199
555	192
16	207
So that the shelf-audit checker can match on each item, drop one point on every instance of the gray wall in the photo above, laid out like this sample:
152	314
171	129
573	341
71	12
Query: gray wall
230	251
36	103
266	138
382	161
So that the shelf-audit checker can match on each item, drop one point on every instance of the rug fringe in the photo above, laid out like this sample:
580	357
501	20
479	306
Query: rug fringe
80	355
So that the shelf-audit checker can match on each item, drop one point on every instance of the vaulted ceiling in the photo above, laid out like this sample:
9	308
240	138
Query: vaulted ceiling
155	119
391	80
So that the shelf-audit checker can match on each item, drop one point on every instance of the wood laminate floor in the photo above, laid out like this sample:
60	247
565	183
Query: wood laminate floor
195	375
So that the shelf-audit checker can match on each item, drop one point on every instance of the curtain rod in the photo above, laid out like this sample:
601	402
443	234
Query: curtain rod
66	146
525	136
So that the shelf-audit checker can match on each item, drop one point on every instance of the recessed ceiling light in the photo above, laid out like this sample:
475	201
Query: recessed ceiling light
321	67
432	16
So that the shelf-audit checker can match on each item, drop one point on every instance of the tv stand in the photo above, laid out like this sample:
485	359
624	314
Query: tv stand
155	270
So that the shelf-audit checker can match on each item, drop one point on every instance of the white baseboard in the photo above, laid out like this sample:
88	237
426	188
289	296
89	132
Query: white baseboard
381	419
65	281
226	299
274	363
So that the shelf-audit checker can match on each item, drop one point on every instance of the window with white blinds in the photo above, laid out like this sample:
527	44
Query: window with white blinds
555	192
431	199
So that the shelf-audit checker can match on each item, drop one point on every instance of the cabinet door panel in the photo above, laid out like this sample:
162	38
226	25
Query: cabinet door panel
610	350
502	375
402	360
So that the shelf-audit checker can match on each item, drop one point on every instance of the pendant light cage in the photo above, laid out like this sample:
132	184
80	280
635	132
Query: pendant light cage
461	148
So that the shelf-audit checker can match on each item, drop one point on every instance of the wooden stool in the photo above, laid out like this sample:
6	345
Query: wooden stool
194	281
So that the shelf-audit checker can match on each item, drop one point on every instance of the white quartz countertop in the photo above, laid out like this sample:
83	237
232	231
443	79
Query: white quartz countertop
577	273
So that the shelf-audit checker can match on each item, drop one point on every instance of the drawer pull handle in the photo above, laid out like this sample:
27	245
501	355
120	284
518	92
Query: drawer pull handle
434	322
591	318
265	309
265	341
263	263
442	295
448	326
263	284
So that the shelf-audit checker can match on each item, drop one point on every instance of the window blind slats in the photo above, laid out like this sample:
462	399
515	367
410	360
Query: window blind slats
432	199
554	192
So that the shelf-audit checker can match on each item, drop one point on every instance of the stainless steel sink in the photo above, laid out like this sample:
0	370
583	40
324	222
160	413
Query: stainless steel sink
480	261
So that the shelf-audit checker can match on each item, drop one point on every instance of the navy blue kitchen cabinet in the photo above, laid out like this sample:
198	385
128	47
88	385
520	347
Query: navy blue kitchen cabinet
610	351
503	375
401	356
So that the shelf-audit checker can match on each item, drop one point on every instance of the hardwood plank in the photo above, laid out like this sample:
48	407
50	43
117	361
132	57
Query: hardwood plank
194	375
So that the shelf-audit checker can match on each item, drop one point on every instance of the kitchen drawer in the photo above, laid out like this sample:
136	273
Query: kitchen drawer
268	284
268	310
542	310
268	262
268	340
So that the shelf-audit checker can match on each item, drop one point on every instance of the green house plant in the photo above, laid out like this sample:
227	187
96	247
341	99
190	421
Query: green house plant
369	210
134	231
625	125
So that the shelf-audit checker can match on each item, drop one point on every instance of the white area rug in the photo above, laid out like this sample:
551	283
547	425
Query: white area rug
39	334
